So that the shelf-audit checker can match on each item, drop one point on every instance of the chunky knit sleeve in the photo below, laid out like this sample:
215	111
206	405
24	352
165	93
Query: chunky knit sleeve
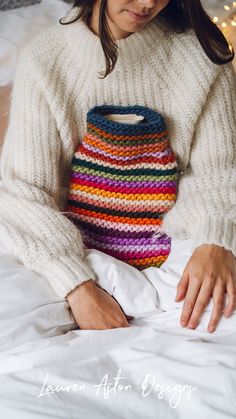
207	188
31	225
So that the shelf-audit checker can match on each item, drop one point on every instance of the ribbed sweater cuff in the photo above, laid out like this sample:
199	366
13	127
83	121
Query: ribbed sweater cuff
66	273
216	230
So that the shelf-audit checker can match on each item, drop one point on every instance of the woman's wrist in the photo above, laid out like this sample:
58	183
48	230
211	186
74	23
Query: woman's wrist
86	284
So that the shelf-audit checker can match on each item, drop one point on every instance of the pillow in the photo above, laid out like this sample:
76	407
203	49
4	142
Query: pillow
14	4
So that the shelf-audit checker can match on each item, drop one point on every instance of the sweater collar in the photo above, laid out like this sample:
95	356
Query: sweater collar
87	44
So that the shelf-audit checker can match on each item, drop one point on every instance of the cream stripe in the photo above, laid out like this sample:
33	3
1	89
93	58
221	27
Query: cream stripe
130	166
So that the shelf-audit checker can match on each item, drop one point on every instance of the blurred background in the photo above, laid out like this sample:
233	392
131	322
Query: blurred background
21	20
223	14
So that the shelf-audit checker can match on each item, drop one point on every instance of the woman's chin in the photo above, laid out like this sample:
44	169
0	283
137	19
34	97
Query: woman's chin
133	27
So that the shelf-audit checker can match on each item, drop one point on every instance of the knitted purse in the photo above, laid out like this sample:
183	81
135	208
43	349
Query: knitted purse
123	181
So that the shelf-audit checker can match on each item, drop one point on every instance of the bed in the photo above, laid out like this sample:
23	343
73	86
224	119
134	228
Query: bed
49	368
17	27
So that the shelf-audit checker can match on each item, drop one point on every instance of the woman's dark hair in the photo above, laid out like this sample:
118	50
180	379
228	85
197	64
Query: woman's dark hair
178	15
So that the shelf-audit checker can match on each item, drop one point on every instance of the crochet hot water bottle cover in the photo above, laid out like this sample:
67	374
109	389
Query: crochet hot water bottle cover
124	179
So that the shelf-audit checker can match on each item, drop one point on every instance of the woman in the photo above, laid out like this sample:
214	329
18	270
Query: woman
171	58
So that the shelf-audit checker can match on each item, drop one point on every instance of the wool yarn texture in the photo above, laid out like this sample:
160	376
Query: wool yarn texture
124	179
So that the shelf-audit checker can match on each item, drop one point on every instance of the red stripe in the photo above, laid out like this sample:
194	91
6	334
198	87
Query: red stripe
162	160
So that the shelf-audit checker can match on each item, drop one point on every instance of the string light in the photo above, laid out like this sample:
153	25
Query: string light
227	21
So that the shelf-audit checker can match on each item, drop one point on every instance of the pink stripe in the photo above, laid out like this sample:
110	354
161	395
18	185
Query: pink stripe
146	190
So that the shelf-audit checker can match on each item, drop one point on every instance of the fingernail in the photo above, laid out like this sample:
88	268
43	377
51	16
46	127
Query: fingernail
183	324
228	314
211	329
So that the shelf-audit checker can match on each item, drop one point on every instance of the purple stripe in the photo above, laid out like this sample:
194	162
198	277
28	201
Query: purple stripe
128	242
126	253
111	182
142	241
114	232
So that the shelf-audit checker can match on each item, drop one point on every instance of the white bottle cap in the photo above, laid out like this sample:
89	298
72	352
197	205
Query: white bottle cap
125	118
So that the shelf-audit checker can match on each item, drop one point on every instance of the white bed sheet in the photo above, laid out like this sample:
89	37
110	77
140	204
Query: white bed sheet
19	26
41	346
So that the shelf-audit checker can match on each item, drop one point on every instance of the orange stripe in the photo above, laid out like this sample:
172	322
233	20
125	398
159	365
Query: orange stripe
131	197
126	137
148	261
115	219
125	150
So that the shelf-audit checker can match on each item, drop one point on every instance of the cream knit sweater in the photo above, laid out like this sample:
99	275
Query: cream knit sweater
55	85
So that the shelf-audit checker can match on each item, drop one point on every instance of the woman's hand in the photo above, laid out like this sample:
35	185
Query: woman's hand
211	270
93	308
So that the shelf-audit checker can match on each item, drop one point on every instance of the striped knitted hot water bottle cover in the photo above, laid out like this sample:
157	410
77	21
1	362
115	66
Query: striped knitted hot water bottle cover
123	181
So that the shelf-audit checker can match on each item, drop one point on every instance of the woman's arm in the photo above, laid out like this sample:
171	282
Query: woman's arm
207	189
31	224
208	192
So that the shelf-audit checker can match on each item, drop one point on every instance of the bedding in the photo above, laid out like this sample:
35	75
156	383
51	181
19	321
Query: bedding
17	28
49	368
14	4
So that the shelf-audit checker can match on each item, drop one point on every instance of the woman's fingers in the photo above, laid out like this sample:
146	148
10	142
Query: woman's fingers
127	316
191	296
200	304
182	286
218	305
231	290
